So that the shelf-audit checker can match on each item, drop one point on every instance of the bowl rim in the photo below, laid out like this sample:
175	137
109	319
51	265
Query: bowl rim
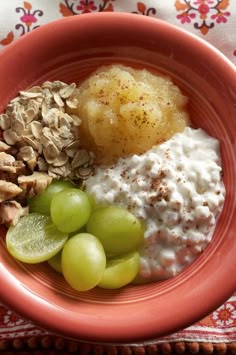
121	16
15	294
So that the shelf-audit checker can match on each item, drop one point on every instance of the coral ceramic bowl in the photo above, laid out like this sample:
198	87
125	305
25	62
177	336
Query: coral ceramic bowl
68	50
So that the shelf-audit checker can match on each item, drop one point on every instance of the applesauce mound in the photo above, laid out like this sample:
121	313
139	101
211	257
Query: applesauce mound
126	111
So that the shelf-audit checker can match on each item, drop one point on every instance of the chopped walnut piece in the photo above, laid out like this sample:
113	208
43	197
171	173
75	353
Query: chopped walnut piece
8	190
42	165
32	163
11	212
20	167
6	160
34	184
9	165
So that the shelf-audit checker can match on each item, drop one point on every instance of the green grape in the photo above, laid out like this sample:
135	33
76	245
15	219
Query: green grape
83	261
120	271
34	239
70	210
55	262
41	203
93	202
118	230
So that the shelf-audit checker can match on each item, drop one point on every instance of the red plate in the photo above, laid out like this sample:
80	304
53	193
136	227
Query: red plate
68	50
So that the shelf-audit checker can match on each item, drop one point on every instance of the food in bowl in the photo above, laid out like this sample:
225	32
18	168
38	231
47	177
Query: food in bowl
124	132
176	188
126	111
198	69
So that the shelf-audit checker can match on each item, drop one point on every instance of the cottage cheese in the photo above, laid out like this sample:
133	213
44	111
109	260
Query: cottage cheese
177	189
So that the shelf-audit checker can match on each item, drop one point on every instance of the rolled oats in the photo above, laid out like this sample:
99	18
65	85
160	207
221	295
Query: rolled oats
61	159
5	123
36	129
66	91
18	125
51	152
29	140
42	140
30	115
72	103
10	136
72	148
58	100
31	94
26	153
4	147
80	158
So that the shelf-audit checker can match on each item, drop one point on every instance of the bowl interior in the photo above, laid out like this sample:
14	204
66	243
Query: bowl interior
69	50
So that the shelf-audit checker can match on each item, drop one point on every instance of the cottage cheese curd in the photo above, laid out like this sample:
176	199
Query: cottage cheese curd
176	188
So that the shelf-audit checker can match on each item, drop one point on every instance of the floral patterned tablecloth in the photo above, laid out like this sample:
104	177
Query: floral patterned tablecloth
212	20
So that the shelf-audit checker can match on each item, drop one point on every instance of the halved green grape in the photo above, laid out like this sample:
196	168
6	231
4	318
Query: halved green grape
41	203
120	271
34	239
83	261
118	230
55	262
70	210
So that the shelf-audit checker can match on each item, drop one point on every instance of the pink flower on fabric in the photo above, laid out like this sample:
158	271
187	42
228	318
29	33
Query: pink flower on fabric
185	17
203	9
225	315
221	17
86	6
28	19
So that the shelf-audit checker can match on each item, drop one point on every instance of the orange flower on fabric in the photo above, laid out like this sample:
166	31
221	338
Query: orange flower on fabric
206	13
143	10
8	39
